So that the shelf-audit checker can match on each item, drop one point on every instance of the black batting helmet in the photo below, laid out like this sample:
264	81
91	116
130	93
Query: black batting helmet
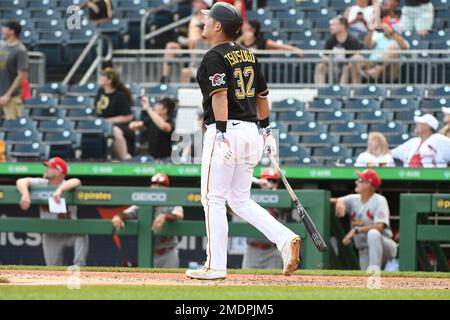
228	16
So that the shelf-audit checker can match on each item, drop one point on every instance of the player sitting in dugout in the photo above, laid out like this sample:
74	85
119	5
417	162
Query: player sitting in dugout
165	248
370	229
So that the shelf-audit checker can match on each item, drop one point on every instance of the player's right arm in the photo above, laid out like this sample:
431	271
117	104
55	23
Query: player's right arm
23	185
118	221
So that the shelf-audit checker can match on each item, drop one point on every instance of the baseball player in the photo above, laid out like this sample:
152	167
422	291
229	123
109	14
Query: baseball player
234	103
260	252
165	249
369	212
54	244
429	149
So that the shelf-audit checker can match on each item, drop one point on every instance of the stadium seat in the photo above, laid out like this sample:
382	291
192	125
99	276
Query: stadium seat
333	154
313	44
285	139
296	117
281	127
294	26
434	105
369	92
377	116
406	92
334	91
325	105
406	117
20	124
52	44
48	24
260	14
303	36
23	137
56	125
321	140
88	89
161	90
323	13
65	144
280	4
347	128
361	105
334	117
314	5
81	114
310	128
96	139
292	14
293	153
52	89
395	141
41	102
76	102
46	113
440	92
44	13
270	25
30	151
358	140
402	104
289	104
389	129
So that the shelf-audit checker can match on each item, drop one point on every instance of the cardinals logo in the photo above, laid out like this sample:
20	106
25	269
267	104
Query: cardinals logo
217	79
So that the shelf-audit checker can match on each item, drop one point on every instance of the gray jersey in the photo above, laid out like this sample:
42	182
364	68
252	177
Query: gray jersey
375	210
44	211
12	60
160	242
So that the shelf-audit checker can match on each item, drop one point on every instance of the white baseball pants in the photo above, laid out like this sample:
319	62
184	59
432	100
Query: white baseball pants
224	181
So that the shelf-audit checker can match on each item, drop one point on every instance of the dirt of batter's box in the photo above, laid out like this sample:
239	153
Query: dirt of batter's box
43	277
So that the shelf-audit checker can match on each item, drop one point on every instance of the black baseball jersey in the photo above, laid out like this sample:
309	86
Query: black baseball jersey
230	66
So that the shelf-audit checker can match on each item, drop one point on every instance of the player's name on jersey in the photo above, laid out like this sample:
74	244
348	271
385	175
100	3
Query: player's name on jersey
239	56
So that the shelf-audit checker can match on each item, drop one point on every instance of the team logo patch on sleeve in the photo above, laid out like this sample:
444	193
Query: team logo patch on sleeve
217	79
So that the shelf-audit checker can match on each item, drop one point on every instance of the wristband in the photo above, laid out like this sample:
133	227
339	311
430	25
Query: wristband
264	123
221	126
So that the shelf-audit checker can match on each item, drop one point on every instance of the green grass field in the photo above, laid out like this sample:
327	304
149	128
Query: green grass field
214	293
220	291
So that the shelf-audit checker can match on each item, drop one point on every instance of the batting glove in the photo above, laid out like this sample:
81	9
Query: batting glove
224	146
270	145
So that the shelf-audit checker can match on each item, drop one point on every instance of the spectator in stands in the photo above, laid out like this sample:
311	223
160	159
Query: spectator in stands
370	229
383	43
13	70
252	38
165	251
54	244
113	102
390	14
160	125
446	128
260	252
340	41
194	41
100	11
359	16
428	149
417	15
377	153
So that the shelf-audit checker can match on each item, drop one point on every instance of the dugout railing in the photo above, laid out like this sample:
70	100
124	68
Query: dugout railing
417	232
316	203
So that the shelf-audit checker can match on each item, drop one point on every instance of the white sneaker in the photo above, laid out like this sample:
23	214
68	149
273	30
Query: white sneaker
291	255
205	273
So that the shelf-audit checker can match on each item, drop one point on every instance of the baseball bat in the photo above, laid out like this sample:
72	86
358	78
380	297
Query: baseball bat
304	216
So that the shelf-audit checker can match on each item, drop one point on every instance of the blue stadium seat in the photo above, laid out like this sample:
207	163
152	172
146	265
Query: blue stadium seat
296	117
36	4
22	137
260	14
43	13
289	104
305	129
46	113
406	117
325	105
357	140
293	153
30	151
361	105
270	25
369	92
281	127
334	91
434	105
48	24
395	141
313	44
52	43
303	35
439	5
322	25
280	4
20	124
321	140
406	92
29	38
42	102
333	154
334	117
296	25
402	104
442	45
56	125
16	14
347	128
313	5
377	116
76	102
285	139
390	128
340	4
161	90
88	89
440	92
289	14
81	114
77	42
65	144
96	138
323	13
53	89
437	36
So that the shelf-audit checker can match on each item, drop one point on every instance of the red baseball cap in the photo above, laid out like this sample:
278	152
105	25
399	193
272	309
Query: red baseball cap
370	176
57	163
269	174
160	178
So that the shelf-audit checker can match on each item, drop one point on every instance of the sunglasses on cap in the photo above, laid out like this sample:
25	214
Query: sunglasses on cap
362	181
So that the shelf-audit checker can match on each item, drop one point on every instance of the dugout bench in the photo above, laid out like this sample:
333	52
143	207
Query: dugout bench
415	228
316	203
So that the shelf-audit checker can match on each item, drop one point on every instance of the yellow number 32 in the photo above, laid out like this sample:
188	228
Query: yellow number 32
242	92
